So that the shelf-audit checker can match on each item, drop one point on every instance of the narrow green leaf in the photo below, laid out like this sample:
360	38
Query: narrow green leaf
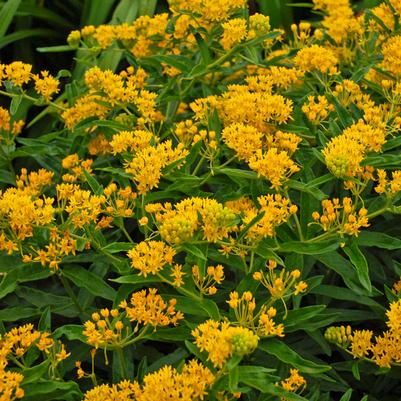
285	354
7	14
94	284
361	265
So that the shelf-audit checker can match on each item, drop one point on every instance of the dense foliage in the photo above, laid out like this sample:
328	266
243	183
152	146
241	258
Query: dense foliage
205	207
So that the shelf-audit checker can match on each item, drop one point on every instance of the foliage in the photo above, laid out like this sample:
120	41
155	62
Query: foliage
205	206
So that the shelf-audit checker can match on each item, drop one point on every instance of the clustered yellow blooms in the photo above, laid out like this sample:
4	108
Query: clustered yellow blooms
389	187
190	383
384	350
9	129
20	212
221	340
261	323
76	167
276	210
105	90
341	217
147	164
344	153
316	58
295	383
207	283
282	284
181	222
339	20
13	346
151	257
130	141
317	109
109	329
19	74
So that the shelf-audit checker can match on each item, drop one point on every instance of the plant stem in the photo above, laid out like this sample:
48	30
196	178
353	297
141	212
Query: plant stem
71	294
123	365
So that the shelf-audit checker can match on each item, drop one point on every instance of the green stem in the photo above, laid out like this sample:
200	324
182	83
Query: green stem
123	365
198	166
123	229
71	294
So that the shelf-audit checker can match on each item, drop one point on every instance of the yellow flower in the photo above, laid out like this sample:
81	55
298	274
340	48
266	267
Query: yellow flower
150	257
46	86
221	341
316	58
276	166
235	31
18	73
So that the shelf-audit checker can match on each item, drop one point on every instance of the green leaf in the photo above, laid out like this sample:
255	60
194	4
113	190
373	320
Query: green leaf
302	187
52	390
83	278
234	172
20	274
193	250
116	247
137	279
347	396
297	317
26	33
379	240
361	265
55	49
310	248
17	313
71	332
285	354
93	183
35	373
7	14
344	268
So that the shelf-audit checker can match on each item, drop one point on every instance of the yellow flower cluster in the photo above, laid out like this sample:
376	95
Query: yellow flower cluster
276	208
209	10
76	167
148	308
261	323
13	346
234	31
20	212
19	74
83	207
274	165
180	223
295	383
130	141
59	246
147	164
10	128
339	21
344	153
341	217
316	58
207	283
392	56
384	350
281	284
106	90
150	257
109	329
221	340
191	383
46	85
317	109
263	107
389	187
